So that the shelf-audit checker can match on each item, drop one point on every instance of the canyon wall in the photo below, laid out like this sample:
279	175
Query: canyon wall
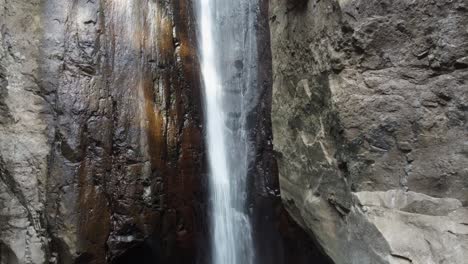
101	146
101	132
370	110
24	144
101	137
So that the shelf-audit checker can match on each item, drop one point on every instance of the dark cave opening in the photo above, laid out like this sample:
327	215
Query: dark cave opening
144	253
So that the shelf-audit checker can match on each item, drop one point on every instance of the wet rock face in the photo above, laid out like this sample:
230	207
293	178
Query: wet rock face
278	239
128	139
101	150
101	147
370	126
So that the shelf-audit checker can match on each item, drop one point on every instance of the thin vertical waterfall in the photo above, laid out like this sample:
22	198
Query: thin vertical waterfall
228	54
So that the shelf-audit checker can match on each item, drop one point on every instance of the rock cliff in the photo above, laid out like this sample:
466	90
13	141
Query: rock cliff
101	132
102	143
101	146
370	108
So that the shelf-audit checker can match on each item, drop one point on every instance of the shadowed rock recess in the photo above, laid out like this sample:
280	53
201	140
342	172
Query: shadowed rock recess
370	110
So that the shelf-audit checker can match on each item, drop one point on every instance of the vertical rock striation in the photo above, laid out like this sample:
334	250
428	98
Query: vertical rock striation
370	126
278	239
24	146
100	141
127	152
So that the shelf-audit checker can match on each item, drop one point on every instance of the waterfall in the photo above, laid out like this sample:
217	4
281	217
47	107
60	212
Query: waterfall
228	54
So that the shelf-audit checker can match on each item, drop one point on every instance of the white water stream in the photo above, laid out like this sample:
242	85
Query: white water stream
228	64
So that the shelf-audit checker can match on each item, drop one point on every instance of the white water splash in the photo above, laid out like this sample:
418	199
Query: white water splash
226	82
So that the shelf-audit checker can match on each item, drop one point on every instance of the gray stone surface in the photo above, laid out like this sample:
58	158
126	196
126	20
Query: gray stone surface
370	126
100	142
23	136
101	137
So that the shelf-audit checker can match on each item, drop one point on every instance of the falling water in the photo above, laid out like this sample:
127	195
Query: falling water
228	53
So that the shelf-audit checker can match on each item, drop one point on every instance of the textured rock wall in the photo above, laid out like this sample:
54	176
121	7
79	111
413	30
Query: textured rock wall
370	126
24	144
278	239
100	139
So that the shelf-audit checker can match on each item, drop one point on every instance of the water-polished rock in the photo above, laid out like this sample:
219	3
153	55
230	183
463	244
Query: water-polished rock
101	147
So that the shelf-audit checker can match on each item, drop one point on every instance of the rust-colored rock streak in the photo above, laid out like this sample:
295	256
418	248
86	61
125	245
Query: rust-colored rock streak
101	144
127	156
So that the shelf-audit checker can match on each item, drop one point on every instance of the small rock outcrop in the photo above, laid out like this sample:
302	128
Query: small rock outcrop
370	126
